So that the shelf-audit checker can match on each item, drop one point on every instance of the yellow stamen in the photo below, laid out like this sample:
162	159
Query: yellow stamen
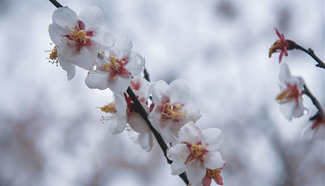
54	53
110	108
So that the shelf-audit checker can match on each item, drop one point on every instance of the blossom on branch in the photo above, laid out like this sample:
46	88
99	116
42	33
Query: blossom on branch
282	44
290	97
115	68
77	38
127	114
196	152
172	107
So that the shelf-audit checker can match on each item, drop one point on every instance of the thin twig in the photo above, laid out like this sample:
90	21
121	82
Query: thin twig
144	114
312	54
55	3
314	100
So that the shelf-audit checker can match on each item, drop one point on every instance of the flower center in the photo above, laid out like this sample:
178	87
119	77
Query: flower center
215	174
79	37
171	111
291	93
116	67
110	108
197	152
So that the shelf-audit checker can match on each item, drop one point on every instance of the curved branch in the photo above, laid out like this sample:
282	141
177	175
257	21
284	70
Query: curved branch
312	54
314	100
144	114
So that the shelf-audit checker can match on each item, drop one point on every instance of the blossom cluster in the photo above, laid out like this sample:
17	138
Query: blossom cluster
84	41
292	89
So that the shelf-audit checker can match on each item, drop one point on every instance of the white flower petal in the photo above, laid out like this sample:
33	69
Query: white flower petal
179	92
136	64
120	104
92	17
284	73
69	68
212	138
122	47
195	172
64	17
57	33
119	85
158	90
190	133
146	141
178	154
137	123
213	160
97	80
117	124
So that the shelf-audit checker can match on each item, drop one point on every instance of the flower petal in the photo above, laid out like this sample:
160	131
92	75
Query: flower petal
212	138
92	17
56	33
190	133
69	68
97	80
119	85
117	124
146	141
136	64
64	17
213	160
178	153
195	172
179	91
285	74
158	91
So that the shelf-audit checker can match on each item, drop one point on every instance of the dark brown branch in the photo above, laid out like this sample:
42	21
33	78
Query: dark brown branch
55	3
311	53
314	100
144	114
158	137
146	74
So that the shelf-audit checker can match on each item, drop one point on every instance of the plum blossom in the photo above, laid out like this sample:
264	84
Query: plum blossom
196	152
315	129
115	68
127	114
172	107
77	38
215	175
282	44
290	97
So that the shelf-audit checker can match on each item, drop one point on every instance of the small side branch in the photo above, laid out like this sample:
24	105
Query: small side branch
312	54
146	74
314	100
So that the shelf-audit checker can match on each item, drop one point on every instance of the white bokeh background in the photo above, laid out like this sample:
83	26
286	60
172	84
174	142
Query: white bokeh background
50	129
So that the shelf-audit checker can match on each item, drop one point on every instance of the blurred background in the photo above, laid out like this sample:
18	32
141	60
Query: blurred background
50	128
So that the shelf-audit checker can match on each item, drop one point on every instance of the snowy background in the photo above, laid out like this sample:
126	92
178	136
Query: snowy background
50	129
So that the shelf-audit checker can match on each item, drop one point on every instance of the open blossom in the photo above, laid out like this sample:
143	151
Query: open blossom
127	114
315	129
196	152
115	68
282	44
290	97
77	38
172	108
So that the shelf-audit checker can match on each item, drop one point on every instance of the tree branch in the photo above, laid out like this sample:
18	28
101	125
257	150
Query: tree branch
314	100
55	3
311	53
144	114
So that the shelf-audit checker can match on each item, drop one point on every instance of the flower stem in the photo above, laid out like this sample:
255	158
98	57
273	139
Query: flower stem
312	54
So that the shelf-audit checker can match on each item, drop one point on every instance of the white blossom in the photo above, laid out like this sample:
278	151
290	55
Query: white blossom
173	107
290	97
78	37
125	113
195	152
115	68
